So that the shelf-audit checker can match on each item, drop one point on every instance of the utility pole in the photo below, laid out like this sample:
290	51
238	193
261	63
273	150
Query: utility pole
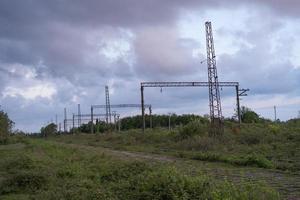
59	127
240	93
150	113
65	119
56	121
92	120
79	115
73	123
213	87
119	122
170	121
108	114
275	114
143	107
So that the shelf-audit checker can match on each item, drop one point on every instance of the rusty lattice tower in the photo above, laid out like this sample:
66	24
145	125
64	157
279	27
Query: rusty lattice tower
213	86
107	105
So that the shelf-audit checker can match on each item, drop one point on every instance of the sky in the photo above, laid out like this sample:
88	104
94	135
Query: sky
60	53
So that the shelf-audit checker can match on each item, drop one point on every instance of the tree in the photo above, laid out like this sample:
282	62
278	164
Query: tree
50	129
6	126
249	116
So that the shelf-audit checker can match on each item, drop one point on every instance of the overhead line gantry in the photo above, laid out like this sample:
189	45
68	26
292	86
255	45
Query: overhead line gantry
239	92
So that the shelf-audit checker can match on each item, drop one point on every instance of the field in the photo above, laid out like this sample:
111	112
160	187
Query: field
254	162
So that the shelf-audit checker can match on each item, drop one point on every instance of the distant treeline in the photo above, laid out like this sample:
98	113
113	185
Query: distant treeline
136	122
162	121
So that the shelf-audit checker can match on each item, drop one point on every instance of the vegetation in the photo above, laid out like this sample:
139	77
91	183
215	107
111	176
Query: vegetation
135	122
265	145
249	116
80	166
5	127
43	169
162	121
50	129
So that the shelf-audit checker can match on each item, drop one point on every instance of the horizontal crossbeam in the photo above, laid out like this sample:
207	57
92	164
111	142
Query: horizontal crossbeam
186	84
95	115
121	106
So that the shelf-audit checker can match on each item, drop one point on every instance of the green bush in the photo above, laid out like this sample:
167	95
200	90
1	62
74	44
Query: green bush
213	157
195	127
19	162
253	191
251	136
23	181
196	143
6	126
164	184
251	160
273	128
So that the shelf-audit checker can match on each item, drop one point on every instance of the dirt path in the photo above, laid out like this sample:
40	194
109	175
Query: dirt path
286	183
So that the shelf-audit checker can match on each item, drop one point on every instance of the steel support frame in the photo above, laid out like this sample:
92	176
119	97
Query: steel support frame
216	117
191	84
107	105
240	93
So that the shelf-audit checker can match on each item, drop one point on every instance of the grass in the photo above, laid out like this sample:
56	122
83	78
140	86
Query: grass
271	146
44	169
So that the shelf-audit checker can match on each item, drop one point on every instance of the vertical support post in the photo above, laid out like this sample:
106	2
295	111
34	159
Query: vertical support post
217	126
115	123
65	119
169	121
79	116
73	120
143	107
108	113
150	113
238	108
275	114
119	123
56	121
92	120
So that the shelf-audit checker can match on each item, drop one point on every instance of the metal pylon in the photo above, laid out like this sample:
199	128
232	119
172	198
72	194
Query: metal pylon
213	87
107	107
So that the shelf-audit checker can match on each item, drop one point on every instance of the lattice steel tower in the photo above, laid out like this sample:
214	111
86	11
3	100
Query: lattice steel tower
213	87
107	107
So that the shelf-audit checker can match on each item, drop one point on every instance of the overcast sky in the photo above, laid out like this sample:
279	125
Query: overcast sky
58	53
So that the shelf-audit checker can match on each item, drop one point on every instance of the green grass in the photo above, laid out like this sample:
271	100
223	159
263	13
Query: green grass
270	146
45	169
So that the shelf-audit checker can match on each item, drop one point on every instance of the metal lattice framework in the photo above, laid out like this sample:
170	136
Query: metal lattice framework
79	114
239	92
213	84
186	84
107	105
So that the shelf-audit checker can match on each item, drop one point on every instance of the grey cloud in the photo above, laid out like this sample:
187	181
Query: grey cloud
159	52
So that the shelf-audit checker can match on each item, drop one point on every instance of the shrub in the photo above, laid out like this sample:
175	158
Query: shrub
252	160
19	163
213	157
195	127
5	127
23	181
165	184
257	191
250	138
196	143
273	128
